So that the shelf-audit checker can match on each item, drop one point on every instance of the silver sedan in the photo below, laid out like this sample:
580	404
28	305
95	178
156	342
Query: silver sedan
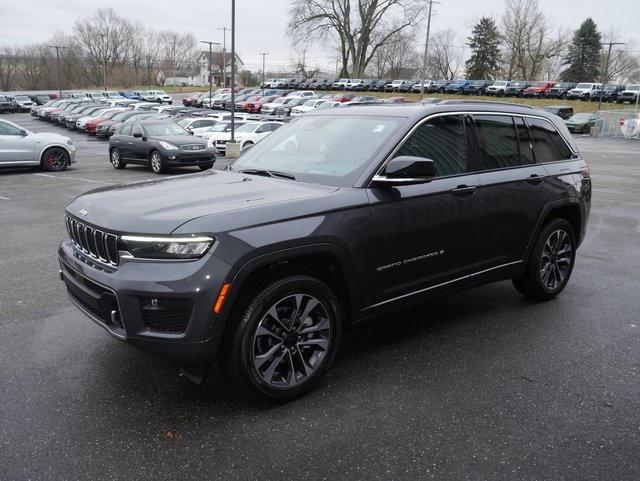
21	147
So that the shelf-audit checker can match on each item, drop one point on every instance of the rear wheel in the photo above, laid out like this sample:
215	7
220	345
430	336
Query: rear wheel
116	159
283	338
551	262
55	159
155	161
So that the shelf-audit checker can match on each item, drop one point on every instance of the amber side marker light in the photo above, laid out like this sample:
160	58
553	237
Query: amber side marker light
217	308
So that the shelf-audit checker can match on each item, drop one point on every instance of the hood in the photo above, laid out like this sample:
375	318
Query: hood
49	137
161	206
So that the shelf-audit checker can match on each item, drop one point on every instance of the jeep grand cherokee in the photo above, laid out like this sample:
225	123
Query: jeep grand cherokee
337	217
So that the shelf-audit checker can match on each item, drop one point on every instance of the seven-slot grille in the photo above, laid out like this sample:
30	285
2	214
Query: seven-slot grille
94	242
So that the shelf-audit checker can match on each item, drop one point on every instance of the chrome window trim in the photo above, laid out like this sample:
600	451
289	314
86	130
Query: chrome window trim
380	170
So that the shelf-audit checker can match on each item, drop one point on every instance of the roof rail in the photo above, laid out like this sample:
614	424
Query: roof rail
482	102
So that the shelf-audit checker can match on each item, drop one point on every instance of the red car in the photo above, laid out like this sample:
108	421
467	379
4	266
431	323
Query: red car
538	89
91	125
187	100
343	97
255	106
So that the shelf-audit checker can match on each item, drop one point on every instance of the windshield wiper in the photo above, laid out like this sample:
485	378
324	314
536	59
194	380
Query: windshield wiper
268	173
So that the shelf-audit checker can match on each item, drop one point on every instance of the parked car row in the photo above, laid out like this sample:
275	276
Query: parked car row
586	91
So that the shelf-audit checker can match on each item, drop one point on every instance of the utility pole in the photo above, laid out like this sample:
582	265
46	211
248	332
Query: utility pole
606	70
104	62
425	61
210	73
58	47
233	69
264	54
224	56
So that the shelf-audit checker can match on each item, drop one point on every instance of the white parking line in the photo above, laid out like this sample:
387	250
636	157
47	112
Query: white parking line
69	177
4	198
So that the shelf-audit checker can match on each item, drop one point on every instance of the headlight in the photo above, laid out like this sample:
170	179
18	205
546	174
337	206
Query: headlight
167	247
167	145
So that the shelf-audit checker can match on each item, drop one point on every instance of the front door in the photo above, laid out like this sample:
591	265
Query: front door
424	234
14	146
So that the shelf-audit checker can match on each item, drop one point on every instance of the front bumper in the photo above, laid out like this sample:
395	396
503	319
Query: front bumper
136	302
177	158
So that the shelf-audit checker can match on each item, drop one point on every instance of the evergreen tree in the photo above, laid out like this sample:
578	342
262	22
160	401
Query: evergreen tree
584	56
485	47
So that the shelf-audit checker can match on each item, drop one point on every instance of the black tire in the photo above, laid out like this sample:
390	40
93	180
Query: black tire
248	361
206	166
156	163
547	274
116	159
55	159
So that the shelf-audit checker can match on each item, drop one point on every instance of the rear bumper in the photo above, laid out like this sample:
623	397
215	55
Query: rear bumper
122	303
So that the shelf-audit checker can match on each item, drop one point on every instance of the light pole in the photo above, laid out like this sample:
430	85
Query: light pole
606	70
264	54
210	74
425	61
58	47
104	62
224	56
233	69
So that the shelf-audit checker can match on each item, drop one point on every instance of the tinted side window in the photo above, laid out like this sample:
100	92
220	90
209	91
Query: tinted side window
497	142
548	144
524	141
442	140
136	130
8	129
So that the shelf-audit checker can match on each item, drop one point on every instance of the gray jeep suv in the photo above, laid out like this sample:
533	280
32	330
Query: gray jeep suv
334	219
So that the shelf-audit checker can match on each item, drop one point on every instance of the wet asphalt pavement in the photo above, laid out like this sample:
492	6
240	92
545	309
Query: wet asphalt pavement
482	385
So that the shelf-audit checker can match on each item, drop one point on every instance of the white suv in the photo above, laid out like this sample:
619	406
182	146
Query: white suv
498	88
159	96
583	91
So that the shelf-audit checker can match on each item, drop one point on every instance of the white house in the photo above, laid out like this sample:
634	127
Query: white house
198	75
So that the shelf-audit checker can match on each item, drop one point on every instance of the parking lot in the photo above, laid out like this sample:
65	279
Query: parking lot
482	385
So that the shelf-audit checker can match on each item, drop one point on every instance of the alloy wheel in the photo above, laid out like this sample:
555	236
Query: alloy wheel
156	162
556	259
115	158
291	341
55	159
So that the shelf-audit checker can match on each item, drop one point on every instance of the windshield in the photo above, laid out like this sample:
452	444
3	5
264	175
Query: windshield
164	128
633	87
22	97
311	103
500	84
583	86
224	127
540	84
330	150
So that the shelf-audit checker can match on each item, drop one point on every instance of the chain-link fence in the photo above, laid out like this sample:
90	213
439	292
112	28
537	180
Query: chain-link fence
618	123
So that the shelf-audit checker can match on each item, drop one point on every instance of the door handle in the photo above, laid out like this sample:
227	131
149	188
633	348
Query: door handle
536	179
464	190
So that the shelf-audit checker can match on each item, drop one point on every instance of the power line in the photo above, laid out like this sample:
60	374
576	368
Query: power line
606	70
210	73
425	61
264	55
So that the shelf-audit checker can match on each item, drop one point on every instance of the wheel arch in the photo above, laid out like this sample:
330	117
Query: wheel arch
327	262
49	147
568	209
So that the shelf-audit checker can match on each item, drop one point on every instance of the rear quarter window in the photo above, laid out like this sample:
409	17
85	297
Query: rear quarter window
548	144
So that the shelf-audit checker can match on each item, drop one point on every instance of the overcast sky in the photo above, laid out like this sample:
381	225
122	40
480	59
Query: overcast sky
261	23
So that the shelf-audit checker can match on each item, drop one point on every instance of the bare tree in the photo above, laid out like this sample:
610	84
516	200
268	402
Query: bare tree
446	55
398	53
180	50
8	68
151	49
529	39
102	41
358	27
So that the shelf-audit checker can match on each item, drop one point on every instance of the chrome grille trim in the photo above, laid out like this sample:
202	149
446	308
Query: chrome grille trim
193	147
94	242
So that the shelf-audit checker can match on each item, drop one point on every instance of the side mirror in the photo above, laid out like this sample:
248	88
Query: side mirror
24	133
137	135
407	170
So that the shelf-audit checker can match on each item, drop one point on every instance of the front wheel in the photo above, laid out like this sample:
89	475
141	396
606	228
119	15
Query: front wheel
282	338
206	166
116	159
55	159
156	162
551	262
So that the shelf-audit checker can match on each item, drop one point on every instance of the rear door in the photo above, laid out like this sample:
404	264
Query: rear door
513	188
123	141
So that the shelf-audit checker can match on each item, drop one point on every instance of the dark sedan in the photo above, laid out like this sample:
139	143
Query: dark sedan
160	144
581	123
